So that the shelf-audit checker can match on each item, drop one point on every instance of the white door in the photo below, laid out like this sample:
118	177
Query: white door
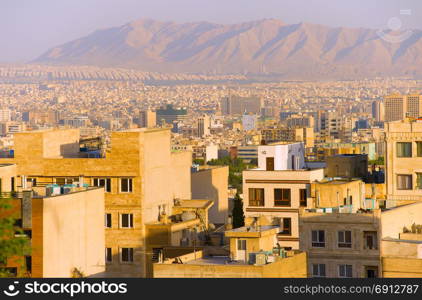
241	250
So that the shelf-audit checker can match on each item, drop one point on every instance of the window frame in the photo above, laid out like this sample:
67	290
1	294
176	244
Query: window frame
318	268
283	202
317	243
130	255
107	183
401	153
254	201
108	261
129	185
344	244
303	202
345	270
399	187
129	221
107	224
289	229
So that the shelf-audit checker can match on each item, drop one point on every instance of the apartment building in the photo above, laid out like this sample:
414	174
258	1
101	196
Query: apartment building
346	243
253	253
211	183
403	160
236	105
64	228
398	107
146	119
279	188
139	174
297	134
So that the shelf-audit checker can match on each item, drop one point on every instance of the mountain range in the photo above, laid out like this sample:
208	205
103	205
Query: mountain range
266	47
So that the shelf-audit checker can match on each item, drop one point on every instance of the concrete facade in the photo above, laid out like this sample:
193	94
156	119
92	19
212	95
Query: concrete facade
139	156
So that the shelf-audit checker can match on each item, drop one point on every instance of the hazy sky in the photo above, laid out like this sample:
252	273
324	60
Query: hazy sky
30	27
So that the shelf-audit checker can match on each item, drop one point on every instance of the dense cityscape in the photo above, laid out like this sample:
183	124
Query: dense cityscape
114	172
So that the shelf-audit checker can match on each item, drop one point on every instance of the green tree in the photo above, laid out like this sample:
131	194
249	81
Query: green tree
237	213
12	241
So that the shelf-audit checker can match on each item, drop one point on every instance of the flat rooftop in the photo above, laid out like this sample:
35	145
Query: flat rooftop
214	260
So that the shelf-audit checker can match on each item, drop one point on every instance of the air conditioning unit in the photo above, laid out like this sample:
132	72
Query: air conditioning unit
260	259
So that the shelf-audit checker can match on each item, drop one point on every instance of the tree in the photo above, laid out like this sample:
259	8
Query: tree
238	215
12	241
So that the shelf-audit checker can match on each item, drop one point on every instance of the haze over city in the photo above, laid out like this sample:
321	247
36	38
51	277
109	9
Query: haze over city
211	139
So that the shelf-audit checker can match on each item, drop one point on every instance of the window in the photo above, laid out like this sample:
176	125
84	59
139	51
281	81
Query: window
104	182
256	197
303	197
419	181
69	180
345	271
419	149
28	264
404	182
404	149
282	197
370	240
318	238
287	226
126	255
108	220
108	255
126	185
241	244
126	221
345	239
318	270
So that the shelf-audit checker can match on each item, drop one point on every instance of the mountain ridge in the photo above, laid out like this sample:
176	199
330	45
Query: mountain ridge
267	46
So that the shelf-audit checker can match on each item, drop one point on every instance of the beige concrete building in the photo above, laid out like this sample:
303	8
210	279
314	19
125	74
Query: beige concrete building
65	230
345	244
403	160
347	166
253	254
402	257
212	184
398	107
276	191
140	176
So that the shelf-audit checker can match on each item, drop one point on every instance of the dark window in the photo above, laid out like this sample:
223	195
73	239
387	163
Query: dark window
126	220
318	238
404	149
256	197
287	226
303	197
108	223
345	239
270	163
28	263
108	255
104	182
127	255
419	149
370	240
12	184
241	244
126	185
282	197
